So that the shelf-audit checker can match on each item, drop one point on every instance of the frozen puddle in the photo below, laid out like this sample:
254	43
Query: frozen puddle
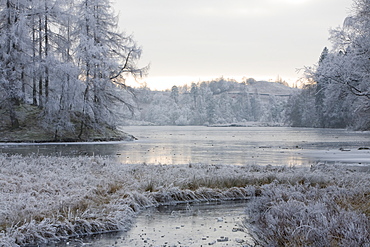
205	224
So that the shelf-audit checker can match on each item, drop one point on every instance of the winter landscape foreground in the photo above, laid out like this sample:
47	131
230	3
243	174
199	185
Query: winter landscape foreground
48	199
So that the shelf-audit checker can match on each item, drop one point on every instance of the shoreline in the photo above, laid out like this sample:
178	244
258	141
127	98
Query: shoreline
49	199
36	135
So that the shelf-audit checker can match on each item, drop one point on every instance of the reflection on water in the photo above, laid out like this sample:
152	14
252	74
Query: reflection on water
221	145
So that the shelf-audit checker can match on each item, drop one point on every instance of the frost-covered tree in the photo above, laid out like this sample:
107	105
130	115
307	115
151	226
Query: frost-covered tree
342	74
219	101
256	106
175	94
320	93
337	93
13	56
63	99
104	56
300	109
69	59
194	94
244	103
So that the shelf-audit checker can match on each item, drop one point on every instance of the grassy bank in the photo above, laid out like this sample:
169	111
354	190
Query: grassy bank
33	130
45	199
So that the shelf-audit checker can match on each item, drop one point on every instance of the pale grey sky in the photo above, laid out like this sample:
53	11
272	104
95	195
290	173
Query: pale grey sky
194	40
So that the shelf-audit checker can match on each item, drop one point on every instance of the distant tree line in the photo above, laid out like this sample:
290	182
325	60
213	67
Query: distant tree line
220	101
338	92
68	59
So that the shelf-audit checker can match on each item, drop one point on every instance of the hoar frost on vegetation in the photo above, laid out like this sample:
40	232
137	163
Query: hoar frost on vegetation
69	62
220	101
327	207
337	92
44	199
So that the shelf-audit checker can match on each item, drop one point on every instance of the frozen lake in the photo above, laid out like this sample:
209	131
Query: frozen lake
207	224
220	145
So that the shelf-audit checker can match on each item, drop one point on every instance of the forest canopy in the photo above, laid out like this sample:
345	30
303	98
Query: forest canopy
217	102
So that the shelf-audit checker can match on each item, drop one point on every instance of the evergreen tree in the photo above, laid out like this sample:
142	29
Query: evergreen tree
175	94
320	93
194	94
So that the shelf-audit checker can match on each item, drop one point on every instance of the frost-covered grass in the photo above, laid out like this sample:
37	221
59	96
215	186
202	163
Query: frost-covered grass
44	199
333	212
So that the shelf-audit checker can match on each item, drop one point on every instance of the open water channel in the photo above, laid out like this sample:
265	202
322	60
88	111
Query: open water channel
207	224
197	224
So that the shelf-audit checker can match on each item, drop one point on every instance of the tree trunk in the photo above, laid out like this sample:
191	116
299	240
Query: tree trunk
34	82
46	54
40	63
13	118
10	70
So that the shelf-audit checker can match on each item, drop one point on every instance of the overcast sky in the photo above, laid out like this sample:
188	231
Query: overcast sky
192	40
